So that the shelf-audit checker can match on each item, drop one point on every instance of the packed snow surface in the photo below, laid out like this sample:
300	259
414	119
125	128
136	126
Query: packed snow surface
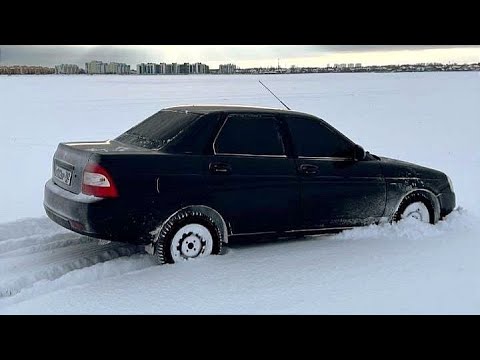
431	119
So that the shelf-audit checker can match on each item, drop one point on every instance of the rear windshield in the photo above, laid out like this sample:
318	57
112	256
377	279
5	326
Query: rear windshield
158	130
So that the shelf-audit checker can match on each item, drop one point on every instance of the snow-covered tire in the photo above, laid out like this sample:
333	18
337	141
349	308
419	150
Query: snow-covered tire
194	235
413	199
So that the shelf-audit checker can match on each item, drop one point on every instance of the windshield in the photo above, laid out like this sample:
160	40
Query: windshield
158	130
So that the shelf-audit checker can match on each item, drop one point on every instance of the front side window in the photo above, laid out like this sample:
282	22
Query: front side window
249	135
313	139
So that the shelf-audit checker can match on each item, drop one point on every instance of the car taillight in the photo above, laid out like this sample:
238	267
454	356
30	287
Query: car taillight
98	182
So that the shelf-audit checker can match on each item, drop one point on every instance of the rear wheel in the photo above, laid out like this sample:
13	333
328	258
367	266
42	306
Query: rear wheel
415	206
187	235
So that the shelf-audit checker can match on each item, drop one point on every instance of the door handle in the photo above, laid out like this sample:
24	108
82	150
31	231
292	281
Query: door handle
220	168
308	169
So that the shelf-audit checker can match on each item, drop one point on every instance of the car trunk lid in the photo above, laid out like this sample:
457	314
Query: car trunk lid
70	160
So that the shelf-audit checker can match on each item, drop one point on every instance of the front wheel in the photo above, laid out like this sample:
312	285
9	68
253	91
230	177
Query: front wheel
187	235
415	207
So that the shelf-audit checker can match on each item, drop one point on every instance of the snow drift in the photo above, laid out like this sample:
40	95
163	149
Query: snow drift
426	118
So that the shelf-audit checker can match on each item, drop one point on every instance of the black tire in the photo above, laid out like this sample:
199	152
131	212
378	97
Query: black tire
412	198
162	254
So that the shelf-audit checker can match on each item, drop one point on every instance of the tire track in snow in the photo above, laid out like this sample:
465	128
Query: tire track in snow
29	227
55	242
36	257
22	244
78	277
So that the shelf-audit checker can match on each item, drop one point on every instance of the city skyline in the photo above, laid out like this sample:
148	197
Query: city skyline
244	56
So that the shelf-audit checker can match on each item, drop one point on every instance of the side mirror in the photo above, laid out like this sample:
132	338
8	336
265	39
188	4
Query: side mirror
358	153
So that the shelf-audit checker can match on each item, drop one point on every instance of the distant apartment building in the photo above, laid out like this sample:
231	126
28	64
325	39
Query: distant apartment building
96	67
118	68
141	68
162	68
172	69
67	69
26	70
351	66
199	68
227	69
184	69
358	65
148	69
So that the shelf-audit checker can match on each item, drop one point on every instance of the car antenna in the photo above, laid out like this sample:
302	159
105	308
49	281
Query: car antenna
265	86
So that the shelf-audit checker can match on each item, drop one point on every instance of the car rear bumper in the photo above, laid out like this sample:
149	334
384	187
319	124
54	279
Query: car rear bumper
92	216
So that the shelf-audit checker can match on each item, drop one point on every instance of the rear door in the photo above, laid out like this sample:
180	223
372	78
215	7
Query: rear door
252	182
336	191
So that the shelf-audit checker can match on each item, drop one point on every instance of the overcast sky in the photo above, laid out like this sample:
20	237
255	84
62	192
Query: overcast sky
242	55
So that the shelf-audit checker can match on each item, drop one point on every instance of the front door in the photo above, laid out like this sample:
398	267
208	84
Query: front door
336	191
251	181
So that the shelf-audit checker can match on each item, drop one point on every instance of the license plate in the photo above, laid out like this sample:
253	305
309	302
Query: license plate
63	175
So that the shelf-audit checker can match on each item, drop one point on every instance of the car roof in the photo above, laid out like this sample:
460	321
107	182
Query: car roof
207	109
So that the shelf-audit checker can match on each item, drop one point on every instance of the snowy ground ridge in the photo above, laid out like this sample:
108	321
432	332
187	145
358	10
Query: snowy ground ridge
38	257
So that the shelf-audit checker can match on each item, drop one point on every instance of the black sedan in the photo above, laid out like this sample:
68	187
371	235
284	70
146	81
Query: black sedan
190	178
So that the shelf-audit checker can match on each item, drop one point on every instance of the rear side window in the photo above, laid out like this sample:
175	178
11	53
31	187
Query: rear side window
250	135
313	139
159	129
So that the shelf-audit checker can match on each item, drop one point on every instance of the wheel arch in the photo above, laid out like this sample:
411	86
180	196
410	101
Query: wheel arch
429	195
206	210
